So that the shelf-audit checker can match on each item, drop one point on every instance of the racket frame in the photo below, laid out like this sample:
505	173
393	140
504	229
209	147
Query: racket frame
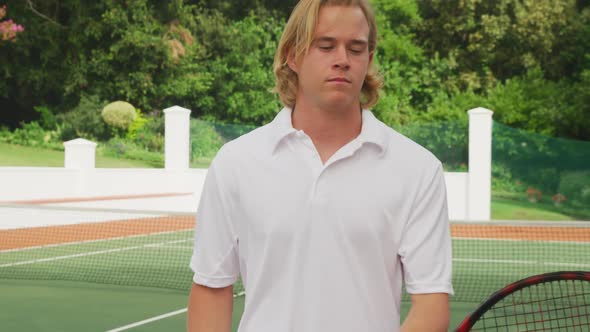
496	297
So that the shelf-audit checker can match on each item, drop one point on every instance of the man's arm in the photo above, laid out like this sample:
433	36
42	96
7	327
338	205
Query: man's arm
429	312
210	309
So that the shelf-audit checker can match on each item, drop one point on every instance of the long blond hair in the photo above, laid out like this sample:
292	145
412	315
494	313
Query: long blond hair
297	38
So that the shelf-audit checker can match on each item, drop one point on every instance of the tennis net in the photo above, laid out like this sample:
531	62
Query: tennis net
488	256
153	249
121	247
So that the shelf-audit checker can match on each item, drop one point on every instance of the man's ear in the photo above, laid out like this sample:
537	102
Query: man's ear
291	61
371	57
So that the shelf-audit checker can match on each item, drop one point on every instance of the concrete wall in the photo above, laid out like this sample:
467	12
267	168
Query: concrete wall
456	183
38	183
468	194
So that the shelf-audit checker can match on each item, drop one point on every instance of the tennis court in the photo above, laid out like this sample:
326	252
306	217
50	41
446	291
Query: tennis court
105	270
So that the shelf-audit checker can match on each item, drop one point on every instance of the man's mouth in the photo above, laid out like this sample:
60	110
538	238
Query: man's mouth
339	80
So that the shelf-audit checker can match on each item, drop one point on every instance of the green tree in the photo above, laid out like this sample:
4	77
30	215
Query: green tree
236	10
242	71
498	39
525	59
412	79
134	50
142	59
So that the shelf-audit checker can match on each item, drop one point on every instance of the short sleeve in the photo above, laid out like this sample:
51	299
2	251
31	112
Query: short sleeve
425	250
215	257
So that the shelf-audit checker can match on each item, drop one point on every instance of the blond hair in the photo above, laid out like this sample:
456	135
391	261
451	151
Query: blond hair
297	38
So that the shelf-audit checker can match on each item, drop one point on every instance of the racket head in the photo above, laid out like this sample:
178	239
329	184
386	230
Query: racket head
584	277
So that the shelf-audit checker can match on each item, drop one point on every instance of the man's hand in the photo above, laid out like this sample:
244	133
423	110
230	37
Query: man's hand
429	312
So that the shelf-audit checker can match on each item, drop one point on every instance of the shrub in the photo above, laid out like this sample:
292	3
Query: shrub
230	132
558	199
533	195
446	140
150	135
122	148
84	121
205	141
137	125
31	134
47	118
4	134
150	141
119	115
576	186
503	180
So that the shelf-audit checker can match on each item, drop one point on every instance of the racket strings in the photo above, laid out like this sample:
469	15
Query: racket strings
553	306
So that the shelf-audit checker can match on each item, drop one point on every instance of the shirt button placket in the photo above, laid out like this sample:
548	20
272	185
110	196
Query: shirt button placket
312	156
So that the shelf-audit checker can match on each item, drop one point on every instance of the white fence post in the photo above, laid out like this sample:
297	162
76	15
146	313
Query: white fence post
177	138
479	193
80	154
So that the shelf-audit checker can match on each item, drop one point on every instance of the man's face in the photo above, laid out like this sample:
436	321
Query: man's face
331	74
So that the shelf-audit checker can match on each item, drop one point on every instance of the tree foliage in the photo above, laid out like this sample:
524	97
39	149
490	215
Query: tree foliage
500	39
528	60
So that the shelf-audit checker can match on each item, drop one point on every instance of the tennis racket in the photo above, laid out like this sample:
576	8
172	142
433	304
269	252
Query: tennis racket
558	301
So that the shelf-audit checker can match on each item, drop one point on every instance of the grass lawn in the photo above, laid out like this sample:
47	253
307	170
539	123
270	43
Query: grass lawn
504	209
15	155
507	205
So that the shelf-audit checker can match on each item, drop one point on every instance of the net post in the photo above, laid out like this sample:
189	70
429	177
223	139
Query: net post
480	164
177	138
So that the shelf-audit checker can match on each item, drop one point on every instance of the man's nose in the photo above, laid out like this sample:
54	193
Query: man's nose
341	60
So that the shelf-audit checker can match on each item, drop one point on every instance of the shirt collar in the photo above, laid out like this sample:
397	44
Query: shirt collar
281	127
372	130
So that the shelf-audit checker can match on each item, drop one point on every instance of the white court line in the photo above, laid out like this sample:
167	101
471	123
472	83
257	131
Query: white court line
156	318
92	253
190	230
510	261
93	241
176	247
519	240
520	223
149	320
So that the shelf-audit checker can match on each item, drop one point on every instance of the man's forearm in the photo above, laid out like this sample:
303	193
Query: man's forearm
429	312
210	309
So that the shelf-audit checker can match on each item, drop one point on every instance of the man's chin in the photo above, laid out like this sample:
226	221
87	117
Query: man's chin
340	102
340	110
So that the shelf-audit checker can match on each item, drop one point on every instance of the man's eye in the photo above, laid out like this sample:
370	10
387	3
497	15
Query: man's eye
356	51
325	47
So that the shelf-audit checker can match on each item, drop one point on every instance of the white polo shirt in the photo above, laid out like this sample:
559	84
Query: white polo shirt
323	247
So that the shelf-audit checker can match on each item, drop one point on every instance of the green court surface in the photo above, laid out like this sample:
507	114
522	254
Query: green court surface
75	306
103	285
33	305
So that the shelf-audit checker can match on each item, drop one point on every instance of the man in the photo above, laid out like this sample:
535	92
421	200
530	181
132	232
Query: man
325	211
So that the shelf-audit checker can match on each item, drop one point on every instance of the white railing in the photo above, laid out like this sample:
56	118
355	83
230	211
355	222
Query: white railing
469	193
